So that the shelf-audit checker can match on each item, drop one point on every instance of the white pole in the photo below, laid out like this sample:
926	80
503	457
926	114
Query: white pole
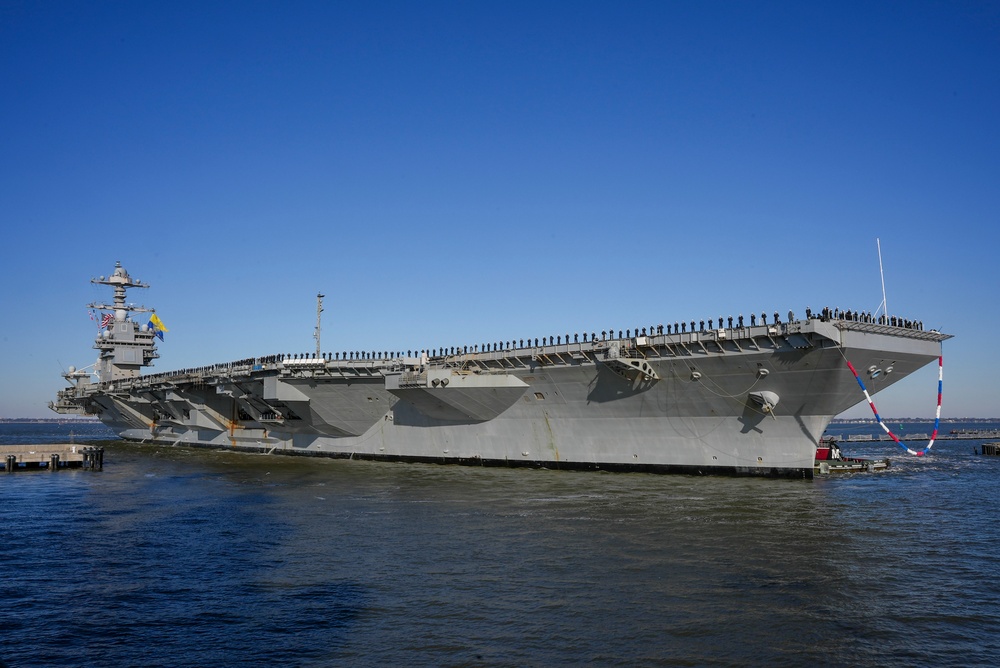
882	274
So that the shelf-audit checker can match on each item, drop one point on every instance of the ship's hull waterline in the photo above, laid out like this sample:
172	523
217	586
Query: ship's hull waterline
742	400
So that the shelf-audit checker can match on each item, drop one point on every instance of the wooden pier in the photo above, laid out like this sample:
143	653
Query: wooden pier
51	457
991	449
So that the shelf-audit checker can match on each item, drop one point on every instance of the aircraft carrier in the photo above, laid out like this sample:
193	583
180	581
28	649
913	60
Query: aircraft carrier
722	397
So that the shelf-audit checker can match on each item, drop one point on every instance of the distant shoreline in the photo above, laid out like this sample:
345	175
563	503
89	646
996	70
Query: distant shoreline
76	420
905	420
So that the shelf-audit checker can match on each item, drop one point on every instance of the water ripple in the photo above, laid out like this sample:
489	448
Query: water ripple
193	557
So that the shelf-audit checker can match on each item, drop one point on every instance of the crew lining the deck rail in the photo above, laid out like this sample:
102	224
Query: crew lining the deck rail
827	314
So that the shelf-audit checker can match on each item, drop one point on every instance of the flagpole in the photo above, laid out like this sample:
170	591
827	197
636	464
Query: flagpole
882	274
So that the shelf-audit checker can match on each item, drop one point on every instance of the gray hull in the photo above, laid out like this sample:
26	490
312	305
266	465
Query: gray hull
745	401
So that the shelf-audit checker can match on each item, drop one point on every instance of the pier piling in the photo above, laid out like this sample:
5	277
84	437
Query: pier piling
51	457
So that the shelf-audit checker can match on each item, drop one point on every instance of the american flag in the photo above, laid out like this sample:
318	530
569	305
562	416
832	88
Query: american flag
105	319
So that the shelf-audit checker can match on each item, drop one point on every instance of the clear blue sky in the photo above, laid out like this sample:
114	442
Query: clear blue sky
450	173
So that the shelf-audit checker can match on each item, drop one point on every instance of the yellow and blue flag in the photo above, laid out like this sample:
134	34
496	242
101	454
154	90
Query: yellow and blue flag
157	326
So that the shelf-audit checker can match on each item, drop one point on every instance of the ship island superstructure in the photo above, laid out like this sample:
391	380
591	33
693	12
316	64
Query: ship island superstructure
731	397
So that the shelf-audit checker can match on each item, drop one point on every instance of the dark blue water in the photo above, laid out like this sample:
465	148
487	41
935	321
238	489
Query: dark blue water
180	557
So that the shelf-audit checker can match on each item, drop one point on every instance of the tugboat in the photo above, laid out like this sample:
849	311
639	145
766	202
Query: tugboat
829	459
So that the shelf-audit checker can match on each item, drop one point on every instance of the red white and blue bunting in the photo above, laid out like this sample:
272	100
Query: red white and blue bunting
878	418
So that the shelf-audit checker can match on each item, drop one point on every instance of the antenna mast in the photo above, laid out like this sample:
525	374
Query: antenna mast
319	310
885	306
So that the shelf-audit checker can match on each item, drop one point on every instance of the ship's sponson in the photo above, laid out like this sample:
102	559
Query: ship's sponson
746	400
